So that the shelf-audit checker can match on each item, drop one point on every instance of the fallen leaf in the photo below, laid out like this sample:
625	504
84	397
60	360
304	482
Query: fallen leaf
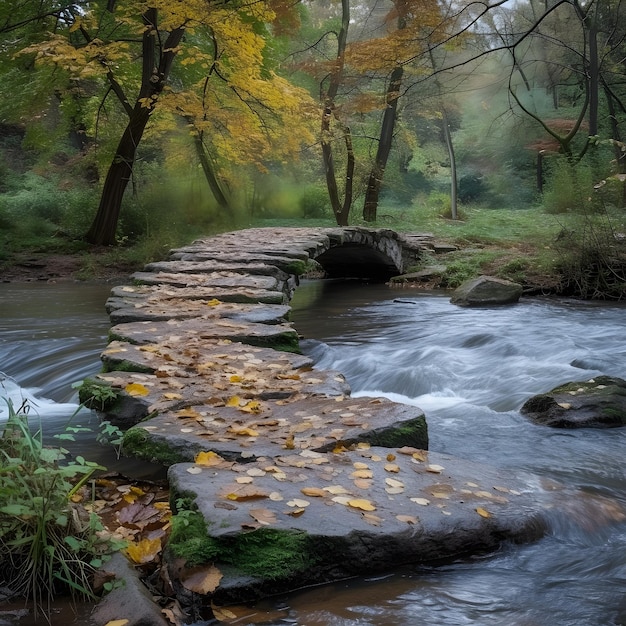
213	302
208	459
295	512
275	496
136	389
362	483
314	492
435	469
144	551
409	519
117	622
483	512
362	473
421	501
172	396
245	492
392	468
391	457
359	466
221	614
256	471
299	503
360	503
392	482
188	412
243	432
202	579
372	519
233	401
244	480
263	516
194	470
336	489
254	406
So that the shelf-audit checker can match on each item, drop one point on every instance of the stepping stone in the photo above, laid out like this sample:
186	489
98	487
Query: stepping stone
241	428
279	336
352	513
131	310
213	279
133	294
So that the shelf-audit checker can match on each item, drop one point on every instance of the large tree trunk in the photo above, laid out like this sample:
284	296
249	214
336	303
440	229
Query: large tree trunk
155	72
385	141
209	173
340	210
104	225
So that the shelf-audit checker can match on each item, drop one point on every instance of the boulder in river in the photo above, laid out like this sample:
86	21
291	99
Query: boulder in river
486	291
596	403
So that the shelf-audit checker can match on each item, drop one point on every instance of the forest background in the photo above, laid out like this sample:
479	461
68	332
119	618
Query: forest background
138	126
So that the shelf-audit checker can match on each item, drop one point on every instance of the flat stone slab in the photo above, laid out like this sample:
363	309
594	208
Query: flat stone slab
360	512
124	310
280	336
596	403
218	360
222	280
167	293
240	428
279	266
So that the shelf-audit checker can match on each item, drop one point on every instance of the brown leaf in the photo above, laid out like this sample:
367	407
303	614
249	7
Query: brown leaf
263	516
314	492
409	519
360	503
202	579
483	512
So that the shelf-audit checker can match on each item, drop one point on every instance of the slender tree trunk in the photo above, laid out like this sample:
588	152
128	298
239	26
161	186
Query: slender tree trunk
209	173
385	141
452	157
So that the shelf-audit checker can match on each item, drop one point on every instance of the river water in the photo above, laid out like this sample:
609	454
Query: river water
470	370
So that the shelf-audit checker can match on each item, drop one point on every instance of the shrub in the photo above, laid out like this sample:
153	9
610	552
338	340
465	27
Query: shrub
51	545
315	203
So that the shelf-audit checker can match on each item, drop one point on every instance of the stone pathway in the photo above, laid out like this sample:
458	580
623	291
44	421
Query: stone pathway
208	381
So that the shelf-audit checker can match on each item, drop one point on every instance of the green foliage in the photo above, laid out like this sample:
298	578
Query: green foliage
569	188
314	203
95	395
189	539
52	545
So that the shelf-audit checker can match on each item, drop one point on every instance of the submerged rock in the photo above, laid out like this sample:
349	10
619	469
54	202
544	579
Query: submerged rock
485	291
596	403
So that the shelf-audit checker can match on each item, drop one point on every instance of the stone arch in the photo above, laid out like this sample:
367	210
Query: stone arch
360	253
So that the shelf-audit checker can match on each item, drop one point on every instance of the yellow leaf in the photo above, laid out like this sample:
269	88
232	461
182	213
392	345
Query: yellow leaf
254	406
117	622
144	551
202	579
135	389
233	401
360	466
208	459
362	473
213	302
391	457
359	503
392	467
336	489
483	512
235	378
243	432
289	444
188	412
221	613
314	492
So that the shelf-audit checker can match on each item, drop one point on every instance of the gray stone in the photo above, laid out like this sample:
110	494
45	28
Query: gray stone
361	513
130	601
486	291
596	403
267	428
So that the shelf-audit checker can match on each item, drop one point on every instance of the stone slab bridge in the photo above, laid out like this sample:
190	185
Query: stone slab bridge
208	380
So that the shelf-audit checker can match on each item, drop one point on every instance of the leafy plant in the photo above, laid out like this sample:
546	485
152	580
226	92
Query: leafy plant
51	544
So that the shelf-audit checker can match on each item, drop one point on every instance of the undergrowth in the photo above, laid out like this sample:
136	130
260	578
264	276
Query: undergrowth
50	544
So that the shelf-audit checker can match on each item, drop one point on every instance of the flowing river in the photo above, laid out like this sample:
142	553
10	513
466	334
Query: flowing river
470	370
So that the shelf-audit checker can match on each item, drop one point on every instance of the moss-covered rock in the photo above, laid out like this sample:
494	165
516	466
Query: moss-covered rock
596	403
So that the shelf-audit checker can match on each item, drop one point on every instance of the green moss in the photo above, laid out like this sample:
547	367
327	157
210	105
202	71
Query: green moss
265	553
125	366
297	267
138	442
412	433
